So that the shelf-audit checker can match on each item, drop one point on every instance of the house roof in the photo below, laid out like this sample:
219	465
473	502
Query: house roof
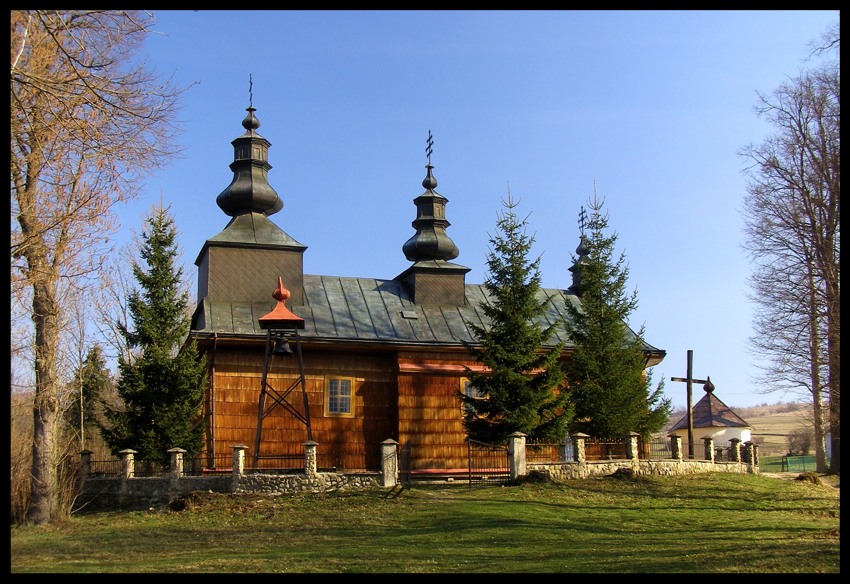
710	412
367	310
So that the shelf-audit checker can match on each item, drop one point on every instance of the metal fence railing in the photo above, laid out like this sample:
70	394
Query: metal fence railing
105	468
208	463
149	468
541	451
604	449
655	449
219	463
596	449
488	463
798	464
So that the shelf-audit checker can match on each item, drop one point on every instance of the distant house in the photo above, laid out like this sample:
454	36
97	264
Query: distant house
381	358
711	417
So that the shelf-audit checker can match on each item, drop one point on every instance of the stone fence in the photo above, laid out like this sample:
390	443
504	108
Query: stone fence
130	491
740	460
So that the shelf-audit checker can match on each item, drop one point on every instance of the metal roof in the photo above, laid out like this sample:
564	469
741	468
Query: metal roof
368	310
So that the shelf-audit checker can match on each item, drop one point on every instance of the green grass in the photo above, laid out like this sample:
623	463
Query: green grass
716	522
770	463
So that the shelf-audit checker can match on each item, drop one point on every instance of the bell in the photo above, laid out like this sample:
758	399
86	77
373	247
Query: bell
281	347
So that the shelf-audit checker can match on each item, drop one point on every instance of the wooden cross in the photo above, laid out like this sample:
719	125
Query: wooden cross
690	381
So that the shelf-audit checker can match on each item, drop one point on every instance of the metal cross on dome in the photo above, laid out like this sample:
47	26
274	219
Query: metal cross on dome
582	219
429	146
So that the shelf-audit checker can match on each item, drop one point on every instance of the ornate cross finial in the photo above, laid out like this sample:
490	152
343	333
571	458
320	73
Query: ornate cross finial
582	219
429	146
250	91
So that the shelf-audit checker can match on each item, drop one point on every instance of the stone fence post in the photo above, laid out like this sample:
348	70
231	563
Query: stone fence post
176	462
128	464
310	464
128	468
516	455
389	462
752	456
735	450
578	446
238	465
176	470
676	446
708	441
735	454
632	452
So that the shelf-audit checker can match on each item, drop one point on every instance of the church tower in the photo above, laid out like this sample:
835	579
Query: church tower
239	263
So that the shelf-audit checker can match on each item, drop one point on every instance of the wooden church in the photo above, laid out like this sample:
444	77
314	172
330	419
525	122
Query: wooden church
345	362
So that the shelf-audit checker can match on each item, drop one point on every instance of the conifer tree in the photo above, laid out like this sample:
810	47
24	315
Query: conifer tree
91	383
608	379
162	384
522	388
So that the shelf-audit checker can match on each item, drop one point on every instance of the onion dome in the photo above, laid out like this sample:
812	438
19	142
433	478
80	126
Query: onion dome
430	241
250	191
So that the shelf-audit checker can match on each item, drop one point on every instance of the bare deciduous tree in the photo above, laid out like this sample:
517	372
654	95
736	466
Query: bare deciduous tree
89	121
793	225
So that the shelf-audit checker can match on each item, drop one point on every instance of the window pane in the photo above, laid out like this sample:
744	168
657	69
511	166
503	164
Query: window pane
339	396
470	390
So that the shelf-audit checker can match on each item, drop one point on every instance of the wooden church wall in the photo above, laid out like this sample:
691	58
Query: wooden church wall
351	443
410	397
430	411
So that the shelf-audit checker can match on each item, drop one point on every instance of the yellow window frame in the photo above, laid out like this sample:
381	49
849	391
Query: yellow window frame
336	394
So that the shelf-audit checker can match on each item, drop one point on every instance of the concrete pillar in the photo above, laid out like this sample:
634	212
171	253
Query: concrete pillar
238	466
752	450
239	459
389	462
709	448
516	455
632	452
676	446
128	464
310	463
176	462
128	468
735	454
578	446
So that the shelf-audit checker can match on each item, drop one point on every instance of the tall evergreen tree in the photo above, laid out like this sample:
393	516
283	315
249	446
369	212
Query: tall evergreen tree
607	374
92	382
522	389
162	384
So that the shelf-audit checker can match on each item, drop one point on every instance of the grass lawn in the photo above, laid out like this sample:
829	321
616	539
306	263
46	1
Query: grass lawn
717	522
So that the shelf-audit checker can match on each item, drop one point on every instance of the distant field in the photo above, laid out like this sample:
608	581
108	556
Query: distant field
772	424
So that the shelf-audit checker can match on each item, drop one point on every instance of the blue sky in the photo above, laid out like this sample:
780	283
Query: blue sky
650	108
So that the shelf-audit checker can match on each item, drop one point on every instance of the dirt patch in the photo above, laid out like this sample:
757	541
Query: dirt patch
824	479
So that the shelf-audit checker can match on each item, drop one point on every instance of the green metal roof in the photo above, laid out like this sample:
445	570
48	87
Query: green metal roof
367	310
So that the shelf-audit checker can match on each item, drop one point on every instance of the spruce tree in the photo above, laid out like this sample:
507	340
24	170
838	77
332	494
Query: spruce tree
522	387
610	385
91	383
162	385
